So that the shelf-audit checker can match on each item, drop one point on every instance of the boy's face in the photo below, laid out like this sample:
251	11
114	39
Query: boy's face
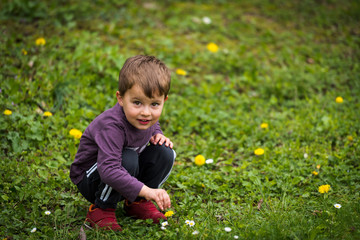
141	112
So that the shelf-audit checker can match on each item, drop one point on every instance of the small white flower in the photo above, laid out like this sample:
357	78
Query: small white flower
306	155
191	223
195	232
47	212
163	228
236	237
206	20
33	230
187	222
164	224
227	229
209	161
337	206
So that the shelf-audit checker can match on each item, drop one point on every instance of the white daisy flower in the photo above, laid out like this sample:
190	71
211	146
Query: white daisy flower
191	223
337	206
33	230
236	237
163	228
187	222
227	229
195	232
209	161
206	20
47	212
306	155
164	224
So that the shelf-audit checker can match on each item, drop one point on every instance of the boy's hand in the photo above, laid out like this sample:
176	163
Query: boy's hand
160	196
159	138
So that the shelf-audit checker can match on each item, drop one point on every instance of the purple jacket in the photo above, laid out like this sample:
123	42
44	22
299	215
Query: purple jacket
103	142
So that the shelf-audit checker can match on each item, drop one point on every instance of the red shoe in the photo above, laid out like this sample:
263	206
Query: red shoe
102	219
143	210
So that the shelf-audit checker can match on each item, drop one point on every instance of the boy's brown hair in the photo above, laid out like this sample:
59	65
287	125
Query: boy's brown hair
148	72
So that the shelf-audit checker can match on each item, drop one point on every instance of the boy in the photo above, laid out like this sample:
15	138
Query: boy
115	160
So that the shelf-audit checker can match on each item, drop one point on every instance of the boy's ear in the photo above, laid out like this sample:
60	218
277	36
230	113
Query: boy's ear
119	98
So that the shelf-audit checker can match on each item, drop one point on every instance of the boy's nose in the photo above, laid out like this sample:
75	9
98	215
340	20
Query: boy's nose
145	111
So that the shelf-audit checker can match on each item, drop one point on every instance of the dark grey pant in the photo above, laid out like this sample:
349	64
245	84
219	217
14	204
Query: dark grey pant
152	167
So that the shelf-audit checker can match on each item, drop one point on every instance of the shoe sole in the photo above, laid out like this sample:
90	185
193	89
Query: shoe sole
92	228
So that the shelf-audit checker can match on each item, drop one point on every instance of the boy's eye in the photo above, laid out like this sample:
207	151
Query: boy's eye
137	102
155	104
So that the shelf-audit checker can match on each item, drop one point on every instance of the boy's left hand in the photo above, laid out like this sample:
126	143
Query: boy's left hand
160	139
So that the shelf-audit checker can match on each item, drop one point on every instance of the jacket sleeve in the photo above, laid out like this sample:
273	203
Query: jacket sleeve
157	129
110	141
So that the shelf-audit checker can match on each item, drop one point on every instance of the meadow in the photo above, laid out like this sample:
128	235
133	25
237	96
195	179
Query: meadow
267	92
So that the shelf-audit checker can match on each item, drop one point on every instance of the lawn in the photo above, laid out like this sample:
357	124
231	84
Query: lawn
266	91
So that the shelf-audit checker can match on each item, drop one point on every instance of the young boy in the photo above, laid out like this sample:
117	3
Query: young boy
123	153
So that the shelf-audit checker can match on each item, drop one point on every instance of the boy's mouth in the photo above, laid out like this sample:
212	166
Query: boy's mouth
143	121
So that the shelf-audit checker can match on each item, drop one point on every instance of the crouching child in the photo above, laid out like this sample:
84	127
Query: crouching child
123	154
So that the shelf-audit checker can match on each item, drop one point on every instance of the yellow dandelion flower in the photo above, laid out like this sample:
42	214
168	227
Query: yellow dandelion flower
315	173
264	125
47	114
339	100
75	133
180	71
7	112
212	47
350	138
40	41
169	213
259	151
318	166
324	188
24	51
199	160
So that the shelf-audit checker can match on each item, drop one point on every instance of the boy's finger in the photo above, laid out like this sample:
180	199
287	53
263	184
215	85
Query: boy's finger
158	139
160	204
166	200
168	203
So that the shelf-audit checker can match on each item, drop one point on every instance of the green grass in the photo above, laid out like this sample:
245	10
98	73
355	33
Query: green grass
279	62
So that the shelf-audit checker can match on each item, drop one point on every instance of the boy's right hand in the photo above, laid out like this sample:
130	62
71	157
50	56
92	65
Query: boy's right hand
160	196
160	139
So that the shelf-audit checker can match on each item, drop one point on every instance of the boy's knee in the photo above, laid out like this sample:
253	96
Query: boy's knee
165	153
